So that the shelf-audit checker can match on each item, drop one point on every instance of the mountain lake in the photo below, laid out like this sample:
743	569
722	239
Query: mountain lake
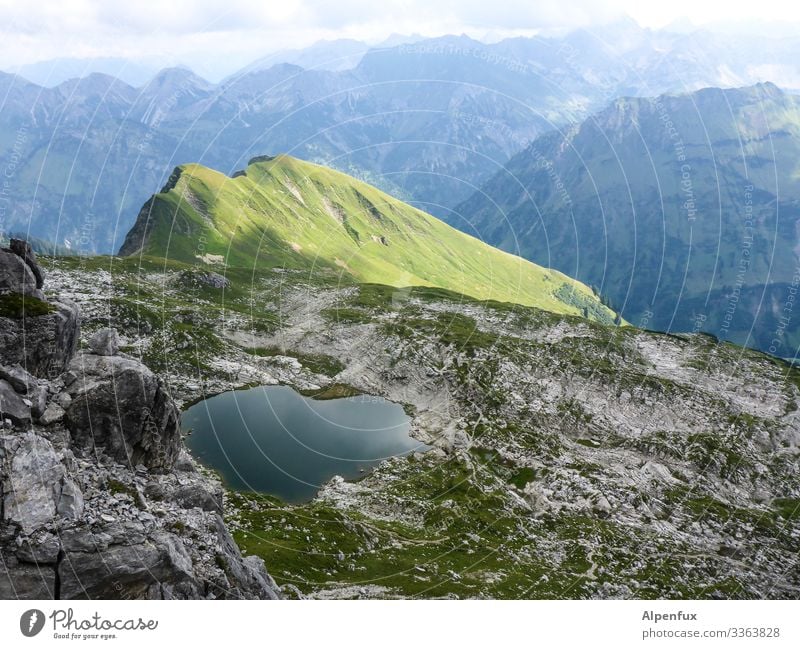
274	440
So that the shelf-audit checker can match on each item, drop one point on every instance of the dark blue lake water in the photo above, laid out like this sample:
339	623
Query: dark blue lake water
273	440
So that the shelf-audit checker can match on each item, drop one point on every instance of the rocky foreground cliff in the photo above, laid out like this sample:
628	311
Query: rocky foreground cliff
98	497
569	459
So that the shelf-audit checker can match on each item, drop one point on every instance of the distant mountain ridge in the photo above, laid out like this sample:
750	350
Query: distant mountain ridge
684	211
428	121
53	72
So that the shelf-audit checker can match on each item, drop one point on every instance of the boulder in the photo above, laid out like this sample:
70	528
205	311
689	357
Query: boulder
198	493
104	342
214	280
25	581
38	399
70	501
129	571
208	278
184	462
23	250
41	339
22	381
42	344
41	548
121	406
52	414
13	406
33	484
16	276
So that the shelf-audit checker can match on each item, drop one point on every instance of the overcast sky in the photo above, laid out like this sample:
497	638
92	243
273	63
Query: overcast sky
200	33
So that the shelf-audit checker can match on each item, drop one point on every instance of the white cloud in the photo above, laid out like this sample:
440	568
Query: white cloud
200	33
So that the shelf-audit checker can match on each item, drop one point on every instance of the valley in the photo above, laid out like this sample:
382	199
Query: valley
570	459
424	317
681	211
429	120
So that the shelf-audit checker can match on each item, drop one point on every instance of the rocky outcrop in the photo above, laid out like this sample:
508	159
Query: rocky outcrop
104	342
17	276
40	335
22	398
34	477
24	251
98	498
119	407
13	408
41	343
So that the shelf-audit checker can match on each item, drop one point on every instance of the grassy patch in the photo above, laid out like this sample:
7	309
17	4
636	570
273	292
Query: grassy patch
449	329
289	214
335	391
788	508
317	363
522	477
346	315
17	305
114	487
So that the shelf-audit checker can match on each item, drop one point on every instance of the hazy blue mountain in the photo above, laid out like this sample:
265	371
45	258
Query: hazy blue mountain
683	210
98	147
340	54
429	121
52	72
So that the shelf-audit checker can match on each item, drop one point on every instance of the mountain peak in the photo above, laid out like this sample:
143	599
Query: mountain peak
97	83
177	75
287	212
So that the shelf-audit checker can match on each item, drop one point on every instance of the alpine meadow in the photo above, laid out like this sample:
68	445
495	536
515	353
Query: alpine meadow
400	301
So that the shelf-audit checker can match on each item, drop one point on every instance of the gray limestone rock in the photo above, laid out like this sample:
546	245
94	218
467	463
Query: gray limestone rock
120	405
38	398
13	406
23	250
25	580
128	571
41	344
16	276
184	462
214	280
52	414
70	502
104	342
41	548
20	380
33	483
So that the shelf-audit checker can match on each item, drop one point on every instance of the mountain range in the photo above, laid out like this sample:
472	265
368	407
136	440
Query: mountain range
562	458
429	121
681	210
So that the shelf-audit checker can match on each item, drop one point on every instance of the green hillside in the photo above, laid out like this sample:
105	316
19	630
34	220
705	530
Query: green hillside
282	212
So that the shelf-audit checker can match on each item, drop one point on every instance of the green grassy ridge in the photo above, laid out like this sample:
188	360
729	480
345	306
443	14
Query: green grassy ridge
282	212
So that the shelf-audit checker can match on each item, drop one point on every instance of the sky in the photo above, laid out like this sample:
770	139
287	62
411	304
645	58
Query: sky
208	34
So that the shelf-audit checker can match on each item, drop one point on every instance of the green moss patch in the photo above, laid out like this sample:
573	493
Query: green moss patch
17	305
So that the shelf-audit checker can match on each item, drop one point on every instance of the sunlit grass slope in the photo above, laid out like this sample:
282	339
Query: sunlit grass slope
281	211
